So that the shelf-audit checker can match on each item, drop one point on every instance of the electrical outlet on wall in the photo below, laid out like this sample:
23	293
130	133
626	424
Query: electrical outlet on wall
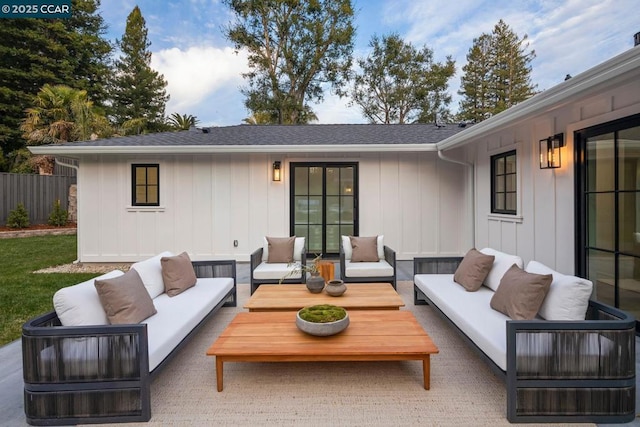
235	243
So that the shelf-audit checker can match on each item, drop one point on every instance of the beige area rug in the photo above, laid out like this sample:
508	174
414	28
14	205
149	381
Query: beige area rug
464	391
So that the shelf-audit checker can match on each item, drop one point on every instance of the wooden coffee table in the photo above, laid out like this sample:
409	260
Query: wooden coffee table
359	296
371	336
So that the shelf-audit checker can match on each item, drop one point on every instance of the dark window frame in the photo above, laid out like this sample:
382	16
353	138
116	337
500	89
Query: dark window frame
146	185
503	176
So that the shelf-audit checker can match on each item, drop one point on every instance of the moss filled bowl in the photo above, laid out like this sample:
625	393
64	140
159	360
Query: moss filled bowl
322	320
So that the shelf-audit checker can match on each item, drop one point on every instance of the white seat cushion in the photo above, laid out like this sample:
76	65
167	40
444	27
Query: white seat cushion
150	271
501	264
275	271
178	315
568	296
368	269
469	311
79	305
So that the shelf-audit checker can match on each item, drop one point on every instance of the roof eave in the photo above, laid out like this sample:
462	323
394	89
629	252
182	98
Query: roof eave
595	79
71	151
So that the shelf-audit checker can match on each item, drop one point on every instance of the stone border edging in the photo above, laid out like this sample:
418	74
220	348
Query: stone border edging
33	233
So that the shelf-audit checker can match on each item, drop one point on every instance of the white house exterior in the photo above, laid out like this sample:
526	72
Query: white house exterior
427	189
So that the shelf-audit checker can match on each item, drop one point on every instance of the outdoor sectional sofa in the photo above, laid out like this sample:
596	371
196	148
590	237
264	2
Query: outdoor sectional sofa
101	373
555	370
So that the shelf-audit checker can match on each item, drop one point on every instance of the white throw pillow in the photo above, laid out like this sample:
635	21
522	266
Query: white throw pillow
348	250
568	296
79	305
150	271
501	264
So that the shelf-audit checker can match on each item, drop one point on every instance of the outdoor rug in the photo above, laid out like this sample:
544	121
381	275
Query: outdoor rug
464	391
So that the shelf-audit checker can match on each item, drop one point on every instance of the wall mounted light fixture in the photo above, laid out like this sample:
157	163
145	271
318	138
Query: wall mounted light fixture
277	175
550	151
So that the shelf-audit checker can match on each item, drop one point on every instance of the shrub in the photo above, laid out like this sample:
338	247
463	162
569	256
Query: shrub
18	218
58	217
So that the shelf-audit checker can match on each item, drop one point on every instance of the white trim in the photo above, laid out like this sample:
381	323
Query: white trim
70	150
517	219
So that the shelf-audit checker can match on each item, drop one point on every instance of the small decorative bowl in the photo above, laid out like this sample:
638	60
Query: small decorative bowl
322	329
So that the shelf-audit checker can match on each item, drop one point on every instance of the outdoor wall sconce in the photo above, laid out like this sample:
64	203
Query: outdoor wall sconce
276	171
550	151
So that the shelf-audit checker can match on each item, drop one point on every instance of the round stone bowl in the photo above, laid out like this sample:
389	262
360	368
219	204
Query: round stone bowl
322	329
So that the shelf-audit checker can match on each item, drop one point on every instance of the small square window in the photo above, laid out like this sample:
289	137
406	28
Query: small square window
504	192
145	182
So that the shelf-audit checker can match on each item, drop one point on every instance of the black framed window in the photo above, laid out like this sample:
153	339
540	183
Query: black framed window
504	192
145	185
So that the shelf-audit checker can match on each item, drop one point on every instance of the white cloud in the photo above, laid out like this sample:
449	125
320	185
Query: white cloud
195	75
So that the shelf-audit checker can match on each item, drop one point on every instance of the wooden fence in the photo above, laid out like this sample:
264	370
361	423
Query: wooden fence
37	192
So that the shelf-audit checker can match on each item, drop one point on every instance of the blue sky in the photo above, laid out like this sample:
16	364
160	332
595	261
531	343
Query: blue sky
204	73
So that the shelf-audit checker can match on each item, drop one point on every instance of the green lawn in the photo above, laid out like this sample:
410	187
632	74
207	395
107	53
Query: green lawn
24	294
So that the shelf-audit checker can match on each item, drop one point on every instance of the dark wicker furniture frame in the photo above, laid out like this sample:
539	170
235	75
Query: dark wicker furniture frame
256	260
389	256
115	387
567	391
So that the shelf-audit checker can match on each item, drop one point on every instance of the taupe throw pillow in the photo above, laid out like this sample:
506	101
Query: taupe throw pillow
281	249
125	299
521	294
364	249
177	274
473	269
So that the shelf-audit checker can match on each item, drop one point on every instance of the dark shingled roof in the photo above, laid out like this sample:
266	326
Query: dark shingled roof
266	135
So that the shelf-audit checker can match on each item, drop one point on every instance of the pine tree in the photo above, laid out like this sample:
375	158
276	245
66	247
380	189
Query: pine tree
497	75
138	92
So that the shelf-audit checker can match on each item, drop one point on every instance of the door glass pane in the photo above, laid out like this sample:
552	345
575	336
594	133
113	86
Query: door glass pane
600	163
315	180
346	209
301	209
629	223
629	283
333	238
314	245
346	181
333	209
302	231
628	159
601	215
601	273
333	181
301	181
315	210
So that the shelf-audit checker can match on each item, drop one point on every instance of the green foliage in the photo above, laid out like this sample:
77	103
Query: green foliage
34	52
24	295
295	49
497	75
18	218
137	91
401	84
182	122
322	313
58	216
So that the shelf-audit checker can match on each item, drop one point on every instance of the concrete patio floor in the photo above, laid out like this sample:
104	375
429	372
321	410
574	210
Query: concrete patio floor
11	384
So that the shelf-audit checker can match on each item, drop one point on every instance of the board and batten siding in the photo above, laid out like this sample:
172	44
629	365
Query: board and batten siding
544	228
420	203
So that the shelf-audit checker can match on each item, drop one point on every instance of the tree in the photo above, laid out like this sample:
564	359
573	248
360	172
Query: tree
54	51
401	84
296	48
61	114
137	91
497	75
182	122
